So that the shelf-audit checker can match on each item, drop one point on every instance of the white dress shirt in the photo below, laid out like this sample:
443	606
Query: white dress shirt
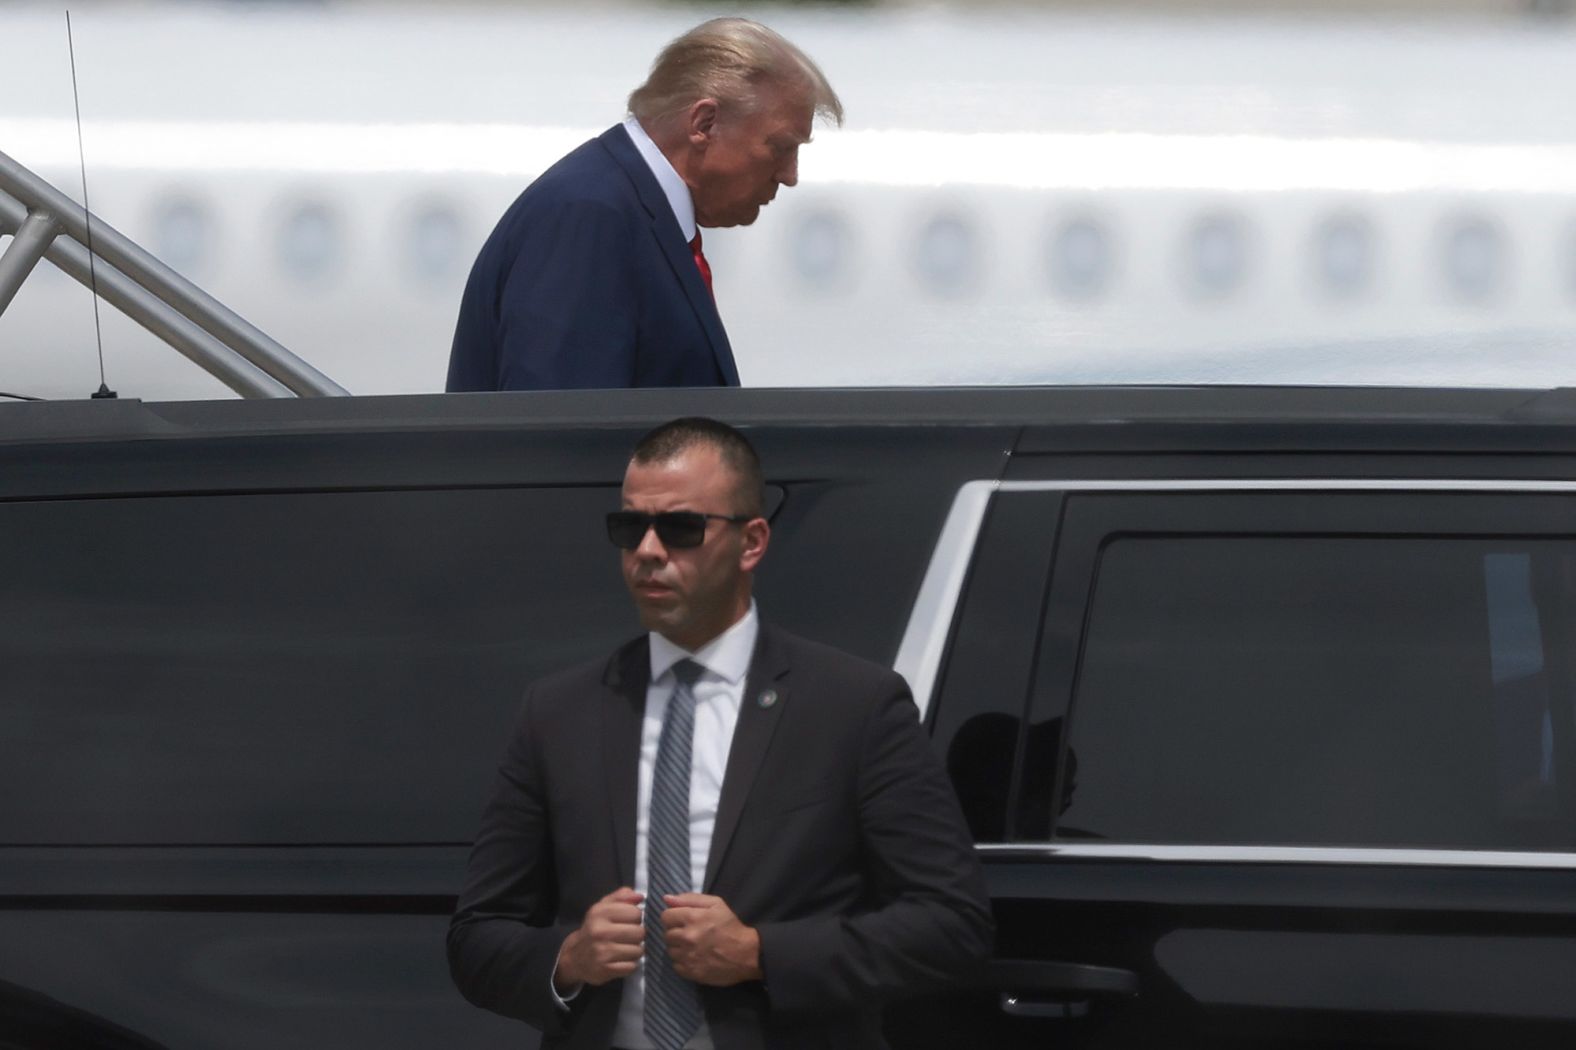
673	187
718	693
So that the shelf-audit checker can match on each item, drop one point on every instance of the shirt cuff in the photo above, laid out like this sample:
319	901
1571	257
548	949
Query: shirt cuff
561	1001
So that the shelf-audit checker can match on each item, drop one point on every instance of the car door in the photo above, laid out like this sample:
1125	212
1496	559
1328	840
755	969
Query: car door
1297	758
1259	761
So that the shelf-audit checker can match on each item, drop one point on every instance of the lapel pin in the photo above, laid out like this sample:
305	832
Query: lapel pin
766	699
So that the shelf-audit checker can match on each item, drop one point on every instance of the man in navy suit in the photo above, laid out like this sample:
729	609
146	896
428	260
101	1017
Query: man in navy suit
722	836
595	276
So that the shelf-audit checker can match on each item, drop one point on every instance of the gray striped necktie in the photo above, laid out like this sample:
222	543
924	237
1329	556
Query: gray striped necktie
672	1003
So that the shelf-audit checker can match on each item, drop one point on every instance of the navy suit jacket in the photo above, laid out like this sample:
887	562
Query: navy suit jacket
587	281
838	838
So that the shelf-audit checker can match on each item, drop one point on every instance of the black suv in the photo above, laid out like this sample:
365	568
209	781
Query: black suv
1261	702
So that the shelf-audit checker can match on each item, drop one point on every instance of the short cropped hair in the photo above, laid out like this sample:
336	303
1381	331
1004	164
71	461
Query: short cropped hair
672	439
728	59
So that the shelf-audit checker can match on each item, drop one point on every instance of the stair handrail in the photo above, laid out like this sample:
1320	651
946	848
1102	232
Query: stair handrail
46	224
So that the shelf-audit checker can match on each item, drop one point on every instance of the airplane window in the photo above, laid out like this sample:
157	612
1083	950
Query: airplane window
1082	257
1475	256
435	237
183	236
948	254
1216	254
821	247
309	240
1344	250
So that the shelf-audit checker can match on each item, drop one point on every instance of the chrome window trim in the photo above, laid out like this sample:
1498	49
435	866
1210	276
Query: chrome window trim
1312	855
1297	484
930	620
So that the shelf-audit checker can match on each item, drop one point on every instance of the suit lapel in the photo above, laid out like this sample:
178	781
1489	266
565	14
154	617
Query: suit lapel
674	248
623	707
766	695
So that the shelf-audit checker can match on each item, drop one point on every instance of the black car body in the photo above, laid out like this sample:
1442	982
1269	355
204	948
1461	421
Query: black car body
1261	702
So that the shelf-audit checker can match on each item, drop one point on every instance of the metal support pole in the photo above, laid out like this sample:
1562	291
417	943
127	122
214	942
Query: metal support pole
164	321
147	272
32	239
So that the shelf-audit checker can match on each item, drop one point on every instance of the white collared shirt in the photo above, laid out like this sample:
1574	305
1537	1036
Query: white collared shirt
673	187
719	692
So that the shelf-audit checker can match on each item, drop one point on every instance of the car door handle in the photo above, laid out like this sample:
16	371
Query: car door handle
1019	1006
1043	988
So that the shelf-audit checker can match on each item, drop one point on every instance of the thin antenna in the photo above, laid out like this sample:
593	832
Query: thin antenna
98	331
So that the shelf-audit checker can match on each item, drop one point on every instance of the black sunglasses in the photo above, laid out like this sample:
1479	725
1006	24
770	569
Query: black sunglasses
675	528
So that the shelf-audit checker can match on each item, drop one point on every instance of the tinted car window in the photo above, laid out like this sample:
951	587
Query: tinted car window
1326	690
978	713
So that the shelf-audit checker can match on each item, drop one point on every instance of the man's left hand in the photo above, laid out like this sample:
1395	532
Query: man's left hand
707	942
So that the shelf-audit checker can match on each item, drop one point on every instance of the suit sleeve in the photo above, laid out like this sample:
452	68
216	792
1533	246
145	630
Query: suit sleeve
568	307
503	942
929	922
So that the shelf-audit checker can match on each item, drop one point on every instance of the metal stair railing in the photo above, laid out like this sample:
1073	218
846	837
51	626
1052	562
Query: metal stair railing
46	224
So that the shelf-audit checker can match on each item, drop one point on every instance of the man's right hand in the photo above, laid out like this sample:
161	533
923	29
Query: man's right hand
608	944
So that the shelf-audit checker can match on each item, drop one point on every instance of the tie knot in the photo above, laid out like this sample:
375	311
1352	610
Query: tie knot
687	672
695	243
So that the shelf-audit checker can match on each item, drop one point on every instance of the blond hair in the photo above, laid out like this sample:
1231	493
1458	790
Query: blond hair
729	59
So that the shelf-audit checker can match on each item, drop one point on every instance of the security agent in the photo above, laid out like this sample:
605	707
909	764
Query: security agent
723	836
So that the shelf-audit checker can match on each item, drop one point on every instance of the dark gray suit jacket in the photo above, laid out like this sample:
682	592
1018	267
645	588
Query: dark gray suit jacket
837	837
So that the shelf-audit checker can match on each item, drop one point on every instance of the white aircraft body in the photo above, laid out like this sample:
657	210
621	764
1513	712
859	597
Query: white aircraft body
1017	197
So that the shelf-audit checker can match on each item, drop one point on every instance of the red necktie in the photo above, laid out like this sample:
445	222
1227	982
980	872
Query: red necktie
701	263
